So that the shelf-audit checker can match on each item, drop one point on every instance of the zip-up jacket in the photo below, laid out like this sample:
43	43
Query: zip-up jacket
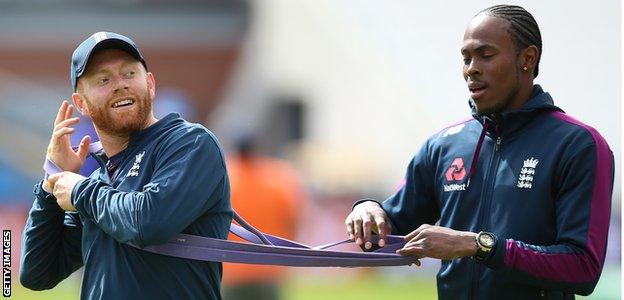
170	179
538	179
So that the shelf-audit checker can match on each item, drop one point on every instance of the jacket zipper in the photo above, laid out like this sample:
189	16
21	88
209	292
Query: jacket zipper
488	190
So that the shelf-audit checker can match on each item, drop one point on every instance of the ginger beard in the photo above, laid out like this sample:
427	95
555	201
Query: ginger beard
121	121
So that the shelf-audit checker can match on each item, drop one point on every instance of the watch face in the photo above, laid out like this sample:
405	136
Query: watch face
486	240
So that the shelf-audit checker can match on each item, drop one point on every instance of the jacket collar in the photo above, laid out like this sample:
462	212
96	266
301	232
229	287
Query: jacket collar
152	132
507	123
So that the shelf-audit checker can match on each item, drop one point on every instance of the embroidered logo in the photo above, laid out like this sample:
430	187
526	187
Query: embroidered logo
151	187
99	36
453	130
456	171
525	180
454	187
134	171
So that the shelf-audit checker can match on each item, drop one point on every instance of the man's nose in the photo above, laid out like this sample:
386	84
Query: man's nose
120	83
472	69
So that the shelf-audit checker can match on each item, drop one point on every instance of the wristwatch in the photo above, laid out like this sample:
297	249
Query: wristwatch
485	243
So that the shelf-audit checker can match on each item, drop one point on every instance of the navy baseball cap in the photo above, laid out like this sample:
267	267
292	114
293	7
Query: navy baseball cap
99	41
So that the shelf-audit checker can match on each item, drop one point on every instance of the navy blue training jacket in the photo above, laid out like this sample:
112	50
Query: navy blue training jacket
541	181
171	178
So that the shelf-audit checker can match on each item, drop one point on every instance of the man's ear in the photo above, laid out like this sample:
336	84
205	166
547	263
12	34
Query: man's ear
79	103
151	84
528	57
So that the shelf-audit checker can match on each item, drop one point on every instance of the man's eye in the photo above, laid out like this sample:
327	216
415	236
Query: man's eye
130	73
102	81
466	60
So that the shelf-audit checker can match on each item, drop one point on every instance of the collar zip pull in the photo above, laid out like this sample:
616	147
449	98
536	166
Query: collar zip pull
499	139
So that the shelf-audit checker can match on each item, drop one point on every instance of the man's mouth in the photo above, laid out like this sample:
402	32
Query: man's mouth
476	89
122	103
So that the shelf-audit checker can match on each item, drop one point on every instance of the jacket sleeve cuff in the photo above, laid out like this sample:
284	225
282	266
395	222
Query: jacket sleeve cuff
362	201
496	260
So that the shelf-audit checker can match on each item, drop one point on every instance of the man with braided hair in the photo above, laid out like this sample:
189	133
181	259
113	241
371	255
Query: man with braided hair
521	191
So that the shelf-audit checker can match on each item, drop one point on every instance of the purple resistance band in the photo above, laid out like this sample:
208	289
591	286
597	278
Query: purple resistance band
266	249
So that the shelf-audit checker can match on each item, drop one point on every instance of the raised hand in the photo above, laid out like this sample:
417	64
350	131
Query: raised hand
59	150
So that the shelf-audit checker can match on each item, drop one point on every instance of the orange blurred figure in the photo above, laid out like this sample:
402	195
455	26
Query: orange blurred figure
266	192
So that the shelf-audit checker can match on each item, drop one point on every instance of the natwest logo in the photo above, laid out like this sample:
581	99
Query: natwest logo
456	171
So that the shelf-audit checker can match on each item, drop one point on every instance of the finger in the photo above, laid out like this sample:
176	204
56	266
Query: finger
349	225
67	122
368	224
382	227
59	136
61	113
416	263
411	251
83	148
415	244
404	251
419	239
61	132
69	111
357	230
414	233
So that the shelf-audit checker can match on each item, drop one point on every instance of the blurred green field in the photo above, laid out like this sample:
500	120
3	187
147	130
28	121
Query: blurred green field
297	289
370	287
332	287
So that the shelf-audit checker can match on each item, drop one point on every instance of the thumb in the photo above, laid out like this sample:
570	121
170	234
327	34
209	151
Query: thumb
53	178
83	148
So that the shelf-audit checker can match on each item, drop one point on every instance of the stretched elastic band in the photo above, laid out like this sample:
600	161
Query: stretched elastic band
267	249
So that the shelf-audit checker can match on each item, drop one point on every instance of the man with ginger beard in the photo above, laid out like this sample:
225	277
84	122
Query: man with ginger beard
157	178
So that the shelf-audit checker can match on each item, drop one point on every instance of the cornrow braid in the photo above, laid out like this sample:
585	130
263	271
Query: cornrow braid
523	30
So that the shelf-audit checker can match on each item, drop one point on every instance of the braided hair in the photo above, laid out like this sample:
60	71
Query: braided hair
523	27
